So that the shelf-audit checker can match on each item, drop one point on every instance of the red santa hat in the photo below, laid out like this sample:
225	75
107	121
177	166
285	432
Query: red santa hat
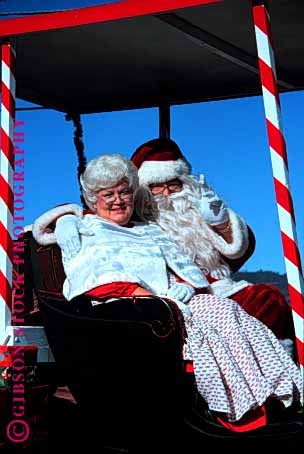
160	160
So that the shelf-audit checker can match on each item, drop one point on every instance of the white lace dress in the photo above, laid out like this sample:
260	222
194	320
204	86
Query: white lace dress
238	362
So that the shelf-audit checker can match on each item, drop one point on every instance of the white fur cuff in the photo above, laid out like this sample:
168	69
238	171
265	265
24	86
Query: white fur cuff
240	239
41	231
225	288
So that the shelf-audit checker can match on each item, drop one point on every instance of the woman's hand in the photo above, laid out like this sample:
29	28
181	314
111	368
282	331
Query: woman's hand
67	234
181	292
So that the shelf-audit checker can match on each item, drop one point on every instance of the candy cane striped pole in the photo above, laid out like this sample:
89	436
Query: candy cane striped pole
6	184
280	171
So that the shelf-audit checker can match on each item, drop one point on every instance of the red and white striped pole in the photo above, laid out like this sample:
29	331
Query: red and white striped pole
8	91
280	170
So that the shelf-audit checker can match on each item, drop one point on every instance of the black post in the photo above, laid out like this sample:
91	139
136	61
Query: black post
164	120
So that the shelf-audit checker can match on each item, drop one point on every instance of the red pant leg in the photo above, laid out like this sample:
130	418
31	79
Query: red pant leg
268	304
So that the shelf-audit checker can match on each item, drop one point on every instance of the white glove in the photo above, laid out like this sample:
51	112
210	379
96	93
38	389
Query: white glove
67	234
211	207
181	292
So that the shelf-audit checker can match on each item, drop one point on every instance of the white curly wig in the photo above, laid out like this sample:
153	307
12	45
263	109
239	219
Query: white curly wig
104	172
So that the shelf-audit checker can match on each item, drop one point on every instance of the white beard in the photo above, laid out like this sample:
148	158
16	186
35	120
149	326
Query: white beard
178	216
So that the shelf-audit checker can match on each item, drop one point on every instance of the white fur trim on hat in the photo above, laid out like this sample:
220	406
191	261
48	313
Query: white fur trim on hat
41	231
161	171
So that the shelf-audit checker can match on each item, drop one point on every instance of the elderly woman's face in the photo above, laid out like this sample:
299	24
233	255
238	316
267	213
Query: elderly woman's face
115	203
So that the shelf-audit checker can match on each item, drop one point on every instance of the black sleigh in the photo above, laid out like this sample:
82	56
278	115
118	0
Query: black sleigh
122	361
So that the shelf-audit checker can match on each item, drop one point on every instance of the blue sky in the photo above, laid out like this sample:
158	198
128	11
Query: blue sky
40	5
225	140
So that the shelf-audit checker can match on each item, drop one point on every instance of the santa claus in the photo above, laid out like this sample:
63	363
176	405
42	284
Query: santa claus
201	224
211	233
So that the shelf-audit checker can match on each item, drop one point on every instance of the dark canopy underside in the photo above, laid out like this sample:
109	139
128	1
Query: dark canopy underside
172	57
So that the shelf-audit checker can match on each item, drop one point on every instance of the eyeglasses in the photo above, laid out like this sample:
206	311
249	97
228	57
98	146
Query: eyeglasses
172	186
110	197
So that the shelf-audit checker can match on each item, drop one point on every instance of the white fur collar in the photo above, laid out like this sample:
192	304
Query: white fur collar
41	231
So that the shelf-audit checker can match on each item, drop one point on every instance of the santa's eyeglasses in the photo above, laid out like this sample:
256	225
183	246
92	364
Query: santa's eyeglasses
172	186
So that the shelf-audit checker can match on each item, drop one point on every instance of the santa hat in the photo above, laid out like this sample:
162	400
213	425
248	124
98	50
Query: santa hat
160	160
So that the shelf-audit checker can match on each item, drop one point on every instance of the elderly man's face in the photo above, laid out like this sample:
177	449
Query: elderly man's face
166	188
